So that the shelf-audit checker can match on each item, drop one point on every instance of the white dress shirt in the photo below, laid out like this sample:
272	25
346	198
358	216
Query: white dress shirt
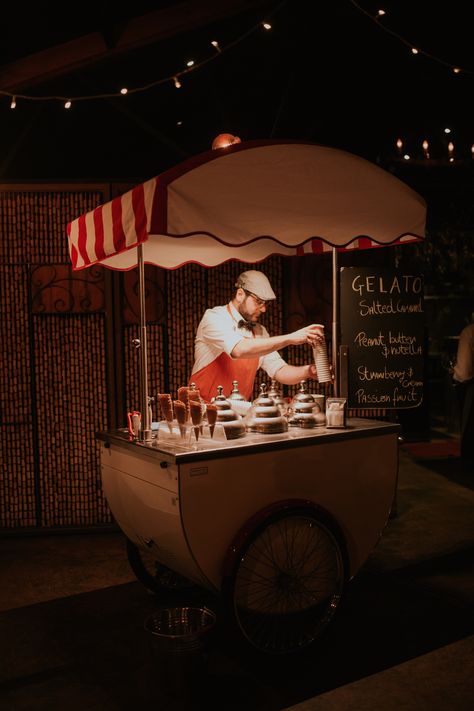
218	332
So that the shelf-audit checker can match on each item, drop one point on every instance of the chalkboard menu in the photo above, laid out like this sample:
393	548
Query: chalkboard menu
382	324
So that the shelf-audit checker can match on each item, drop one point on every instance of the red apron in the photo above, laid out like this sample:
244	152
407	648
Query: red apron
222	371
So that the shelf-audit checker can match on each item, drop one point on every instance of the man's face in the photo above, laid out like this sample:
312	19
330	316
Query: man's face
250	306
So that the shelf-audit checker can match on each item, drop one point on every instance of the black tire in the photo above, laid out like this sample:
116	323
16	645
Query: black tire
287	582
155	576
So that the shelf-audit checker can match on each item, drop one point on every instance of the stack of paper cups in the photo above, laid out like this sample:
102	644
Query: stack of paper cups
321	362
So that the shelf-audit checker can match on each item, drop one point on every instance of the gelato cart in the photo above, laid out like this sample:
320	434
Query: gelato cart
274	522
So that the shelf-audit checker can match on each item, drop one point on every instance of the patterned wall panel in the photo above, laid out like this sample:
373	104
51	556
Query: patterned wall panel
17	474
33	223
187	301
52	386
71	397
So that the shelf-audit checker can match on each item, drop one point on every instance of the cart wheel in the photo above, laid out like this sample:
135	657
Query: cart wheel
287	582
154	575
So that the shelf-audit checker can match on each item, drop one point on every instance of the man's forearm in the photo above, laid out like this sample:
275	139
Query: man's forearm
251	347
293	374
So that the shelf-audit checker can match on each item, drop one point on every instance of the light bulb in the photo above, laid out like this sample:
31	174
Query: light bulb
190	63
177	83
13	102
414	50
267	26
124	91
68	104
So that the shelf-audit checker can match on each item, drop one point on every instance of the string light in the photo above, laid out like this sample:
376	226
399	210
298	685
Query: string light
68	104
191	66
425	157
415	50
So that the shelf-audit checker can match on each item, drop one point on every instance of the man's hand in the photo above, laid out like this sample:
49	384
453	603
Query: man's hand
313	335
313	374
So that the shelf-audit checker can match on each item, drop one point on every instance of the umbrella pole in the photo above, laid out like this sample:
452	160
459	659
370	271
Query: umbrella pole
145	431
335	320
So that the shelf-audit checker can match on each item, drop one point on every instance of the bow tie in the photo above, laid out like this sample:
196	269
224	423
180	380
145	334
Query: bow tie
246	324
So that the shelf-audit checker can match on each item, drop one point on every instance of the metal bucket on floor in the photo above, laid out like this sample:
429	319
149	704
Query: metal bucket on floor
180	630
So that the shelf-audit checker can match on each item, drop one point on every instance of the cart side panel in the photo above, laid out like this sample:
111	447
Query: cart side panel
354	480
148	513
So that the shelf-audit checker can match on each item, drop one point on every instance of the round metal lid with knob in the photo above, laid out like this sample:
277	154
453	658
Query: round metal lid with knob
232	422
265	416
304	411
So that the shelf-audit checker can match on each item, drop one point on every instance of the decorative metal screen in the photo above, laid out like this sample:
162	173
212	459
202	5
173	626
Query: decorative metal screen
52	379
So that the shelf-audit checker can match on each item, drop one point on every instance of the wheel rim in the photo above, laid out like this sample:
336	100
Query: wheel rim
288	583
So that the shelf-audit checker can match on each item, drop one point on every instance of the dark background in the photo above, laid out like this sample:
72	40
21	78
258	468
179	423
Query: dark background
325	73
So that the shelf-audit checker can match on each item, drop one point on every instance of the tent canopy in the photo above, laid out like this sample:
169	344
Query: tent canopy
247	202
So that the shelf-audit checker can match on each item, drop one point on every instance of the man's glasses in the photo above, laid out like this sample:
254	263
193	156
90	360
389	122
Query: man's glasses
259	302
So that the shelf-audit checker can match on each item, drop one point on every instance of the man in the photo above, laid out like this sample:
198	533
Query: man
463	376
231	344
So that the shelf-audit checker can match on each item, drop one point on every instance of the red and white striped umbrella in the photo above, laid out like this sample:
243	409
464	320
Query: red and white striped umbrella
247	202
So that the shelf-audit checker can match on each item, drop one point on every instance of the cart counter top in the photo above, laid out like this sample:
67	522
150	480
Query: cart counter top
171	448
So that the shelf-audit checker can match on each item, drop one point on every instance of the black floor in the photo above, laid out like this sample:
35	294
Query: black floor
91	650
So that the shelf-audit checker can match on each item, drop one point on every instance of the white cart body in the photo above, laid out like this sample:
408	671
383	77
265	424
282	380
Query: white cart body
191	507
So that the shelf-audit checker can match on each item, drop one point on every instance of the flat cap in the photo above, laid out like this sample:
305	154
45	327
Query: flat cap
257	283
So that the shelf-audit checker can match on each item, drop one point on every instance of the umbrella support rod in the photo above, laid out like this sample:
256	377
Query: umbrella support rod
335	320
145	431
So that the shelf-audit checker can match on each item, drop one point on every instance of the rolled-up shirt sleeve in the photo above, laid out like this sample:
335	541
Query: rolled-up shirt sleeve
272	362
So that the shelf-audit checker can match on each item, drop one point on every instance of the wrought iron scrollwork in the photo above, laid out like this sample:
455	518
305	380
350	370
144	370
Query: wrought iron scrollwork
57	289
